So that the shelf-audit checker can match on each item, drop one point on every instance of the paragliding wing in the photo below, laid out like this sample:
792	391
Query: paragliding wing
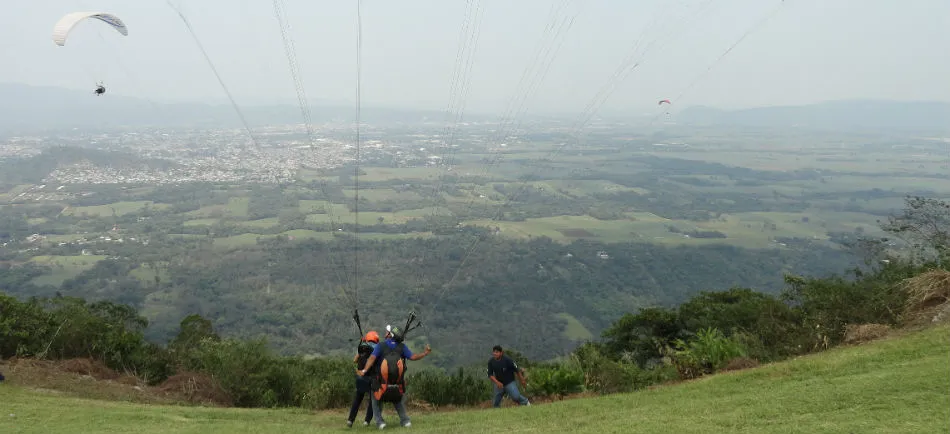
67	22
664	101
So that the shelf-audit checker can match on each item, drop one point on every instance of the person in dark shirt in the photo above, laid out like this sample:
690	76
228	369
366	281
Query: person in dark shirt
363	385
502	371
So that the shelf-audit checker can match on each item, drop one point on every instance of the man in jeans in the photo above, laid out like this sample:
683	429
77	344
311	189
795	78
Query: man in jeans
502	371
394	343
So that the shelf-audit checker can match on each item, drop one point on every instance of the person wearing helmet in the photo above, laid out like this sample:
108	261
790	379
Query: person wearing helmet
363	384
392	343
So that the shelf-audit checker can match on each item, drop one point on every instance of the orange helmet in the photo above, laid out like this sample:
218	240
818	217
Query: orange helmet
372	336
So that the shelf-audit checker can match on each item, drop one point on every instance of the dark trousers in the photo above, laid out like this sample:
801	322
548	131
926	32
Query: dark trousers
363	387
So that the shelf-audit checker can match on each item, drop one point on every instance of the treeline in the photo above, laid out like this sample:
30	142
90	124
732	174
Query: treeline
710	332
732	329
297	292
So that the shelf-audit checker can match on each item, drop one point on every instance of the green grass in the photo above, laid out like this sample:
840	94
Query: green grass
374	174
384	195
299	234
120	208
752	229
896	385
147	274
236	207
340	214
200	222
10	194
575	331
63	267
642	227
261	223
237	241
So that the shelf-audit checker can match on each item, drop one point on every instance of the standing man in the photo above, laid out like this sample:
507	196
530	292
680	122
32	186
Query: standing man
388	359
363	385
502	371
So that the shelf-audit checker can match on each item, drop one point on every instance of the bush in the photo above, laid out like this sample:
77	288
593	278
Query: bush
767	327
314	384
828	305
557	380
252	377
706	353
439	389
605	375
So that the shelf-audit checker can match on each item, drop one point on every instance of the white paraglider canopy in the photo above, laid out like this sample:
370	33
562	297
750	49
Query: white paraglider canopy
68	22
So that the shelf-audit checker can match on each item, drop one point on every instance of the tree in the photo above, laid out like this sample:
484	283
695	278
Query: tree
925	223
194	330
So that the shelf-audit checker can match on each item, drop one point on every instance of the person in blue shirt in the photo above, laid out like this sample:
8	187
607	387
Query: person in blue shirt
502	371
393	341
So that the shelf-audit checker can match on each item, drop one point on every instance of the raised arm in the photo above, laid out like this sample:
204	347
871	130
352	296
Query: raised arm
415	357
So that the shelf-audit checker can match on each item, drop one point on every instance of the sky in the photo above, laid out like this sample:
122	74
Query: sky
794	51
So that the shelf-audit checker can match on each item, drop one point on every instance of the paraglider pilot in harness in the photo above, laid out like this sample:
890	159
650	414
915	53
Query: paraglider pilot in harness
363	384
100	89
389	360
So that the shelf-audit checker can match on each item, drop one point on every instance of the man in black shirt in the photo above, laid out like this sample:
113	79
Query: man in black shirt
502	371
363	384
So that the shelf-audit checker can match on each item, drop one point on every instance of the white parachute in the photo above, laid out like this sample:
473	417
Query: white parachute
68	22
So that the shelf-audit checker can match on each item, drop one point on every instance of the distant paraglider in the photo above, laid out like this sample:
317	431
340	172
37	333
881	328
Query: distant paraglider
668	102
69	21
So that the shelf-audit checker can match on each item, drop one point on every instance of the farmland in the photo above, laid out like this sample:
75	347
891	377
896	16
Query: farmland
581	234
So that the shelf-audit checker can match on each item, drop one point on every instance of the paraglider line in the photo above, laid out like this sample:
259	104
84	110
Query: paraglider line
214	70
722	56
291	52
356	202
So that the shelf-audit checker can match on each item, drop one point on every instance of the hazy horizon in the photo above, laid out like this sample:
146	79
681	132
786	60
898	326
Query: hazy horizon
807	52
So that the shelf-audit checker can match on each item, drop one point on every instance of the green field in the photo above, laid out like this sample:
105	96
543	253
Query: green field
148	274
897	385
388	173
119	208
575	331
63	267
754	229
236	207
629	188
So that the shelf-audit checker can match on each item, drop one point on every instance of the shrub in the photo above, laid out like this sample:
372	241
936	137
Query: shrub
864	332
557	380
709	351
604	375
926	291
464	387
829	305
767	327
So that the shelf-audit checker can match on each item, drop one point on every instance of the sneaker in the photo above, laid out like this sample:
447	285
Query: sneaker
382	425
349	424
407	425
365	423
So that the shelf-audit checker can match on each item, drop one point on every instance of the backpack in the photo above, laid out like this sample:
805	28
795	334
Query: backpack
389	385
364	350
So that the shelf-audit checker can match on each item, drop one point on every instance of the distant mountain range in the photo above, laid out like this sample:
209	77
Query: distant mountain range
32	108
832	115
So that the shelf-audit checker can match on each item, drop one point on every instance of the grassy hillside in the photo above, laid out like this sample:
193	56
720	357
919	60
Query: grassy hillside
900	384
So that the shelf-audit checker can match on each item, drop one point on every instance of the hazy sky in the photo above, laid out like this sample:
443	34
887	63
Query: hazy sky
810	50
